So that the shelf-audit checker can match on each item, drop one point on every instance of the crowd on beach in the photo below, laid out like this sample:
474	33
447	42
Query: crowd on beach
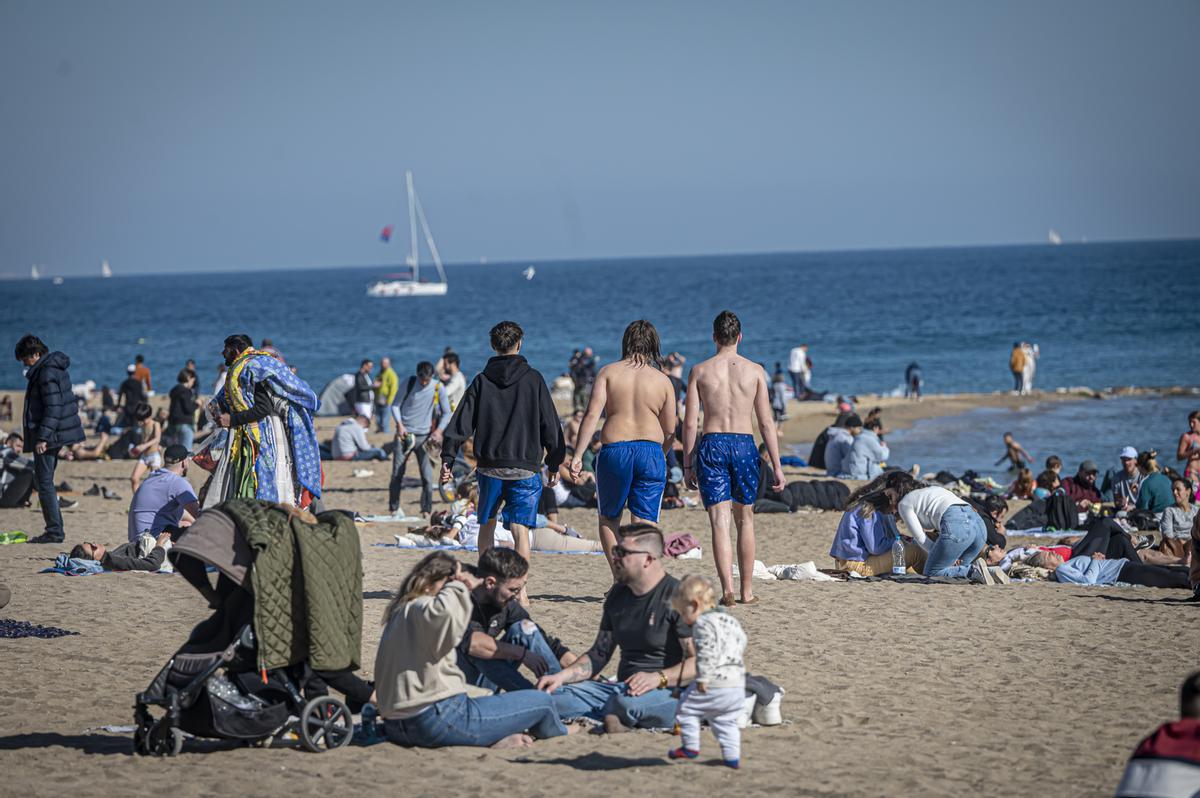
640	439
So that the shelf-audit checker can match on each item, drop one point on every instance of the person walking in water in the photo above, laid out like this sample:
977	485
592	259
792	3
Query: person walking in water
638	403
724	464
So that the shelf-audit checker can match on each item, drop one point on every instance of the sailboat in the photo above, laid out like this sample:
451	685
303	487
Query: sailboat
409	284
529	273
34	274
105	271
1054	237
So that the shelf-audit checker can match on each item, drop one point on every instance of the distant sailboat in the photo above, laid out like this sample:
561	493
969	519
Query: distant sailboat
34	274
529	273
57	281
105	271
1054	237
409	284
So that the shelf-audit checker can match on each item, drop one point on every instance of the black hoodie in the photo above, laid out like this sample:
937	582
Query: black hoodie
508	409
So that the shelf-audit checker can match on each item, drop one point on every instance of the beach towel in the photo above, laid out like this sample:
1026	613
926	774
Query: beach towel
760	571
11	629
74	566
680	544
800	572
792	460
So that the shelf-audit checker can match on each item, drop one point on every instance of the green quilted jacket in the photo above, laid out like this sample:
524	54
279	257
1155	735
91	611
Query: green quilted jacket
307	584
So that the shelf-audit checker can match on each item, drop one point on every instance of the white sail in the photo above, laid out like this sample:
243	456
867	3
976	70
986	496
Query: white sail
34	274
529	273
1054	237
105	271
411	285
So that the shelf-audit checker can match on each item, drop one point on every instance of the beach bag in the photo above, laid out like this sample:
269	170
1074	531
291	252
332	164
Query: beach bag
1061	512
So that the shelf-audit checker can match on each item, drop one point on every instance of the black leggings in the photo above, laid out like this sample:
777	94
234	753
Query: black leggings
1136	572
1106	537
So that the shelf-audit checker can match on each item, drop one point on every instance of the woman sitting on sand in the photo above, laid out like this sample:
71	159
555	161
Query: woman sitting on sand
1047	483
423	696
961	531
863	543
1023	486
1175	525
1097	569
1154	492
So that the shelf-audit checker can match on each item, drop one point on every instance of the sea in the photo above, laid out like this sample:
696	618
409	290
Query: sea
1102	314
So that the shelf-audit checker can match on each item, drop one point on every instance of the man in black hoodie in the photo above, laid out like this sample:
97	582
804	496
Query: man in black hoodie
508	409
51	422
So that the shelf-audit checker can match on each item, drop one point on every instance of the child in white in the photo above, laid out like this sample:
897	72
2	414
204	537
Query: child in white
718	692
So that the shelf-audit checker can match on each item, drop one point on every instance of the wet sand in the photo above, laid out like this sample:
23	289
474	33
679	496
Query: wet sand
891	689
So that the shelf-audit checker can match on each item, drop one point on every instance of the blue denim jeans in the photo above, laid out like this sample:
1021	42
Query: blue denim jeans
961	537
43	475
183	434
383	418
591	699
374	453
461	720
504	674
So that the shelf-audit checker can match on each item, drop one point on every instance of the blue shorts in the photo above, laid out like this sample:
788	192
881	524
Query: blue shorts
520	497
633	473
727	468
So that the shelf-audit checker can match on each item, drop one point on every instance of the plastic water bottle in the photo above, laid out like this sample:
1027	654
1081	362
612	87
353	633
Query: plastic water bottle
898	566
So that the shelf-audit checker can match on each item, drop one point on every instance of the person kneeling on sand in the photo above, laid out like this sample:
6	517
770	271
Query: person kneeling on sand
423	695
655	643
128	556
863	543
719	692
485	659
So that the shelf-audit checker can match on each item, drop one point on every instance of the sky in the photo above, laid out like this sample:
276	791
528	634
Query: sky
179	136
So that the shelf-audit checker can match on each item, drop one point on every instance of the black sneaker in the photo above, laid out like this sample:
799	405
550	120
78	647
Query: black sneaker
67	504
45	538
108	494
1195	596
65	487
94	490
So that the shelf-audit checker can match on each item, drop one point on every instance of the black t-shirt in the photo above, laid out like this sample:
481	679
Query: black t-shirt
495	621
646	628
183	405
131	392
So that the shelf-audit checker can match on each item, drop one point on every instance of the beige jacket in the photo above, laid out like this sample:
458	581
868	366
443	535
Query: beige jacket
417	662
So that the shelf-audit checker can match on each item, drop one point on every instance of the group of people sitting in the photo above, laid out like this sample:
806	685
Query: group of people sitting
960	537
852	448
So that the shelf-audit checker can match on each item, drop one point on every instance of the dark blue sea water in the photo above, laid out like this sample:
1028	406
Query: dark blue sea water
1103	314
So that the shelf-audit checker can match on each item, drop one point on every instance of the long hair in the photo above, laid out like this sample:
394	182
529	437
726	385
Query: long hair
432	568
872	496
640	344
1148	461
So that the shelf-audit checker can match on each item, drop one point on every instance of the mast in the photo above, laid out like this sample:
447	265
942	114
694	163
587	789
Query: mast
412	228
437	259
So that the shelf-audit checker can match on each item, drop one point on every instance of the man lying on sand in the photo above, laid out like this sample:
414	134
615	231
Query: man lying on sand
127	556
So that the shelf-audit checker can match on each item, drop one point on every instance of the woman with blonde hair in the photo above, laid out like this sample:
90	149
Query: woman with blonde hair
1154	492
424	697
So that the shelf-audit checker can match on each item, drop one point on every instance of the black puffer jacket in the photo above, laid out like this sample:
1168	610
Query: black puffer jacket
51	412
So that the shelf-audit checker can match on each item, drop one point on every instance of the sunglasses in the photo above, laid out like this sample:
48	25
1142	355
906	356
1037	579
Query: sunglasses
620	552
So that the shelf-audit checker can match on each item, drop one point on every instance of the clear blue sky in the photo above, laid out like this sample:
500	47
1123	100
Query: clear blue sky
223	135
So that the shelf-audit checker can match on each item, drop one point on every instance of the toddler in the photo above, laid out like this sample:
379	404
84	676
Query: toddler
718	693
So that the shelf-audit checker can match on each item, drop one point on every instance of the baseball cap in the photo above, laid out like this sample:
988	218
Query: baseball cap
175	453
1088	467
1129	453
130	368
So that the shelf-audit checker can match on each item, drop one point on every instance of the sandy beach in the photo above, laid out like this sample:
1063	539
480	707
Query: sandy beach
891	689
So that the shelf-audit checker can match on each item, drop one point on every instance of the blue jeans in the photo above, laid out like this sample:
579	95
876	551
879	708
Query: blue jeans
43	475
652	710
183	434
504	674
383	418
374	453
961	537
462	720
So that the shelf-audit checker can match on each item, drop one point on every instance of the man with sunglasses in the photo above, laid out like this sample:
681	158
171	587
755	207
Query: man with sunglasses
656	646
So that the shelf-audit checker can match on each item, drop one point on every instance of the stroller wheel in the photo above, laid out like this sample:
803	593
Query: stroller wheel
325	724
176	742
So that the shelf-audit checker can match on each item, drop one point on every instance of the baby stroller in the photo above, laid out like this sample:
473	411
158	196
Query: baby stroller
212	686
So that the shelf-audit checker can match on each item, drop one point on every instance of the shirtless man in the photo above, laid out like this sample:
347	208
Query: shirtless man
639	407
725	463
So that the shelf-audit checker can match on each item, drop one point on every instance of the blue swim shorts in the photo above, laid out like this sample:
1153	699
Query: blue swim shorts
727	468
633	473
520	497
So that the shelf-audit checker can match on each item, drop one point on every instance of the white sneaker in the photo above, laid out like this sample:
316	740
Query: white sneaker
747	716
999	575
770	713
980	574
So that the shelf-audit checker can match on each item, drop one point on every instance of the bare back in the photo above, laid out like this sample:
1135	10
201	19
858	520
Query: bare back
730	388
639	403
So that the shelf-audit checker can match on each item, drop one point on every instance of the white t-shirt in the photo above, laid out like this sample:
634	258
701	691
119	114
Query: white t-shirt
455	387
796	359
923	509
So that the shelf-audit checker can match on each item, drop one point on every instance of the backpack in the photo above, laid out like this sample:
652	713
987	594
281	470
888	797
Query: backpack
816	458
1061	512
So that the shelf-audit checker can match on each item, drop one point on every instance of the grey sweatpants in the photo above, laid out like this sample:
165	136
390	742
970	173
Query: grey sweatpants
721	707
